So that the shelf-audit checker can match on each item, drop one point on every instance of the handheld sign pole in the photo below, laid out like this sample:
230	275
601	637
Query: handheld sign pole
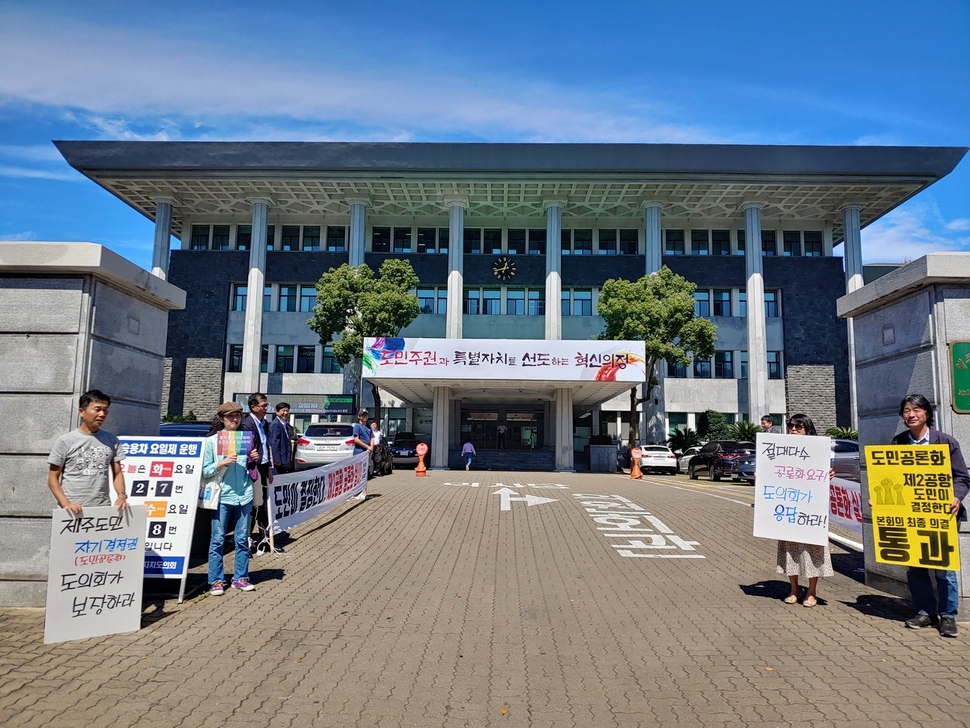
635	473
420	471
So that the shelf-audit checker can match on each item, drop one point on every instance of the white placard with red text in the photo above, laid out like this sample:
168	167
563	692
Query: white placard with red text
845	504
297	497
96	573
791	490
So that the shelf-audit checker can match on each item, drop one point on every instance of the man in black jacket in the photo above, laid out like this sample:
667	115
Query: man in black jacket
255	422
917	414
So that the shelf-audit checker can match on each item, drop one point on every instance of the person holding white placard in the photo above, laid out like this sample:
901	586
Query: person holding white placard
802	559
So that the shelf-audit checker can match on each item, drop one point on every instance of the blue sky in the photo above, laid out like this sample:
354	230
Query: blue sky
758	72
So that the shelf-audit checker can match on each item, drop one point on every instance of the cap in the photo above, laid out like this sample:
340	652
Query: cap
227	408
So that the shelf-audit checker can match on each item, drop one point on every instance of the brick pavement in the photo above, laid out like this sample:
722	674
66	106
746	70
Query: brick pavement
427	605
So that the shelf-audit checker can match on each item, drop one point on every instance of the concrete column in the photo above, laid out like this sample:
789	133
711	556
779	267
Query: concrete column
440	417
456	256
554	275
253	329
654	241
758	404
358	222
163	236
853	247
853	281
564	429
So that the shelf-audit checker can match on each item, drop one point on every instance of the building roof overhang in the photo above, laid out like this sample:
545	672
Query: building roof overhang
510	180
477	391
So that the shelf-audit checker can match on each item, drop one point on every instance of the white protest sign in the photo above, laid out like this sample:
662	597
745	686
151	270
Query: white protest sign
94	583
791	494
298	497
845	504
163	474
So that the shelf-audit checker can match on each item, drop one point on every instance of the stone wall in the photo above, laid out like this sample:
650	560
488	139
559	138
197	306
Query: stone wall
810	389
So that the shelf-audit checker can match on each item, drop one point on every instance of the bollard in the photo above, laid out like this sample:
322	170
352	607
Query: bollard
635	473
420	471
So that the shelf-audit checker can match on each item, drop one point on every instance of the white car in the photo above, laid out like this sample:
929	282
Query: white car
324	443
658	457
685	458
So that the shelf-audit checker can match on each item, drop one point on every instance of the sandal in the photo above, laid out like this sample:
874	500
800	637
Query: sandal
810	602
791	599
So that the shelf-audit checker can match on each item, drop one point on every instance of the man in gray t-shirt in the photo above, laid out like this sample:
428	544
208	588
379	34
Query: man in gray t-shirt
85	460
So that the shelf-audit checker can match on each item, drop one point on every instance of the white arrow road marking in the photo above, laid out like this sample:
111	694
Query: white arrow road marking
509	495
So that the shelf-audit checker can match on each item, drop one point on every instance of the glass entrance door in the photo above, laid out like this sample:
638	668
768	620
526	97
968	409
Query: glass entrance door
508	427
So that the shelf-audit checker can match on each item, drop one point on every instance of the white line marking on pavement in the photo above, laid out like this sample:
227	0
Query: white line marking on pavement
509	495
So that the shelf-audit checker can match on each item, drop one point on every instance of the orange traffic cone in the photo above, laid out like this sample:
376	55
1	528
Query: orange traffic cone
420	471
635	468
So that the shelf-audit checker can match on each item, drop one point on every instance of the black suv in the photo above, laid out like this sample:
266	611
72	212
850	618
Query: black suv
717	458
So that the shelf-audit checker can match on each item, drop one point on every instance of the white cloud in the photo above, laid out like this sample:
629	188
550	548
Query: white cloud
17	237
67	175
121	80
910	232
32	153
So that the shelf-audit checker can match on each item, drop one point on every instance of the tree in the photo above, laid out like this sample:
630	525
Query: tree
657	309
682	439
743	431
355	304
712	426
842	433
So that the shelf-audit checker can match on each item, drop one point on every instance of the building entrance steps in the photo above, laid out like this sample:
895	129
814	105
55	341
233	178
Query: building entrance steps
530	460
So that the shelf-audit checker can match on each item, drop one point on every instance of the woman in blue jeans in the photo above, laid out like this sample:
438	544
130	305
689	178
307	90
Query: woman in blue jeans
235	502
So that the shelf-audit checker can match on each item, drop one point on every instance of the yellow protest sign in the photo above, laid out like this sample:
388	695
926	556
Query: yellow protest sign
911	488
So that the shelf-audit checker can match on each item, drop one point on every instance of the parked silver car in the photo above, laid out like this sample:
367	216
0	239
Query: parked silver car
845	459
324	443
658	457
685	458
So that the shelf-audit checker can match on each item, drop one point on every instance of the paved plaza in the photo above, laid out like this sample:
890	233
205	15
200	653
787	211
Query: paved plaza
513	599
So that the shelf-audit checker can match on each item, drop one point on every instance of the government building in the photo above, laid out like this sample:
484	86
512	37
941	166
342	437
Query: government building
511	244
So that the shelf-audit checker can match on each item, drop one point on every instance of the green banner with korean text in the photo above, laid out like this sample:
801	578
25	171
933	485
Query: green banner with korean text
960	375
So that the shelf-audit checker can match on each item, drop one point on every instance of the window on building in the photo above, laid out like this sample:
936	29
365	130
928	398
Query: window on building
491	301
565	298
722	302
792	243
769	245
743	364
774	365
443	240
492	241
724	365
565	242
308	298
270	237
743	304
336	239
537	242
220	237
473	241
264	358
290	239
673	242
442	308
676	421
583	242
380	240
200	237
268	298
306	359
472	304
721	242
741	241
702	368
537	302
288	297
516	242
700	242
311	237
234	362
238	302
402	240
813	244
515	302
607	242
772	304
629	242
702	303
426	299
582	302
329	365
676	371
244	237
426	240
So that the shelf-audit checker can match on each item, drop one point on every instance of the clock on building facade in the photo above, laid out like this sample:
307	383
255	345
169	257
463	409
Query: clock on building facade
504	268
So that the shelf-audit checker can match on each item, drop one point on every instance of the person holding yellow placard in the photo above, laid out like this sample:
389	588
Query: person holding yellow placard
941	608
